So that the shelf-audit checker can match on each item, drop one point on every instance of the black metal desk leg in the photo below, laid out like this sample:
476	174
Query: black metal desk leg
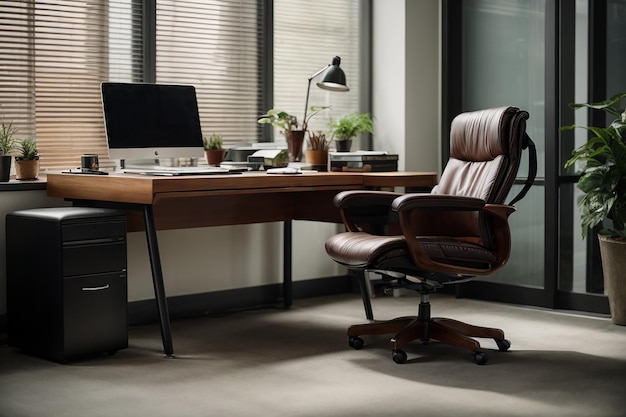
287	264
157	280
365	295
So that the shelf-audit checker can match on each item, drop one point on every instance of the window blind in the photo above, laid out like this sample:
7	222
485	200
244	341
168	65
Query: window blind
215	46
17	77
307	35
55	53
52	65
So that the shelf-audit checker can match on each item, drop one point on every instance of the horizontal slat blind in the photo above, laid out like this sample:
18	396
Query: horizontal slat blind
17	77
70	44
53	56
55	53
126	41
307	35
214	45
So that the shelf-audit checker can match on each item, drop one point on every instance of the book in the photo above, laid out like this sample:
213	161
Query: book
363	161
362	156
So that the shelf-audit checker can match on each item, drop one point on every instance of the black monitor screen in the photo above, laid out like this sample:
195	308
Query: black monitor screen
151	120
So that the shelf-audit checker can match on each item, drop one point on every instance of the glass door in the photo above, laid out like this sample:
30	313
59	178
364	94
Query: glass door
596	49
538	55
495	56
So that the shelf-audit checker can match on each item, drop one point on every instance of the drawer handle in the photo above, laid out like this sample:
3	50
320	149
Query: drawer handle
103	287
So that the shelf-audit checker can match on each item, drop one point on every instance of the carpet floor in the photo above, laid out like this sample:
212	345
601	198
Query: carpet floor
297	362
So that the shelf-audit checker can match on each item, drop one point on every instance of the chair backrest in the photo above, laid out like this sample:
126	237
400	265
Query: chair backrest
485	153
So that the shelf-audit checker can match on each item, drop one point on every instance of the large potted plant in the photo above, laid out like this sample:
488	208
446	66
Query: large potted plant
7	145
345	129
27	160
602	161
288	125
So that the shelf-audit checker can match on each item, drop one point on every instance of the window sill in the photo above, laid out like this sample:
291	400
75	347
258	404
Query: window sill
20	185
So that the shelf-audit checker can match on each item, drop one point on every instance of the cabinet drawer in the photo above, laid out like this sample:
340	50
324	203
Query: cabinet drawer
94	258
95	314
94	230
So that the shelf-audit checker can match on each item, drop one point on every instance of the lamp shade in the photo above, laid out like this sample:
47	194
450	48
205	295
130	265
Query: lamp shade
333	78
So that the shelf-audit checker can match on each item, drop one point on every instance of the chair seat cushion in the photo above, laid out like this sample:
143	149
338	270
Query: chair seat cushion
363	250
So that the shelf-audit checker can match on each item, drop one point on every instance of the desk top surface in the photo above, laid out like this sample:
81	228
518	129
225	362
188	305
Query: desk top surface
140	189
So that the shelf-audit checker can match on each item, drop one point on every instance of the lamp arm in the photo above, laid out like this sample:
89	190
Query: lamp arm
308	91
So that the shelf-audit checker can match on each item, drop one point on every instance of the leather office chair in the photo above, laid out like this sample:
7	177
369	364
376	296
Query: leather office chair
457	231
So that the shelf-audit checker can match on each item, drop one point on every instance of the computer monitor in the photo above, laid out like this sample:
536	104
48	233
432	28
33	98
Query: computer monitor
151	121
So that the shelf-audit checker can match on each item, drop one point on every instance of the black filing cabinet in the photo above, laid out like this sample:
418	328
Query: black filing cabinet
66	281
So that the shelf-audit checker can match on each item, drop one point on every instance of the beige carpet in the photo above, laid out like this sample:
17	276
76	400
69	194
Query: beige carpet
298	363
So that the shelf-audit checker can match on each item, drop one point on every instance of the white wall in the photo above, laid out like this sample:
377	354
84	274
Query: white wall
406	107
226	257
388	77
406	81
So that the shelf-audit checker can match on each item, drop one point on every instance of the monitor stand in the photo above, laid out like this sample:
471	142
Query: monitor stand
158	162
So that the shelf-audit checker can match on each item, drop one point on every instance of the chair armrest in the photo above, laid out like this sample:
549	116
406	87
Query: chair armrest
356	198
436	201
497	213
365	207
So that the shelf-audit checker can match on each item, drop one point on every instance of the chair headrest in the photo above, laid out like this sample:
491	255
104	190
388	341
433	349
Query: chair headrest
485	153
481	135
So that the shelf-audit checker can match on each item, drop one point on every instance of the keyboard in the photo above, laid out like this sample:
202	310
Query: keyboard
176	171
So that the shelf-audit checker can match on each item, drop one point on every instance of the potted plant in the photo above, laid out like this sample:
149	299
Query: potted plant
288	125
213	149
346	128
602	160
7	145
27	160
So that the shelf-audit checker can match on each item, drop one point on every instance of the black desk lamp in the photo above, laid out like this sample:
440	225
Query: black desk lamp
334	79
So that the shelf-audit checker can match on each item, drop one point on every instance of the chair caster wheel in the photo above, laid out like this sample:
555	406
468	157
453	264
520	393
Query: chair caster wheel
399	356
480	358
503	345
355	342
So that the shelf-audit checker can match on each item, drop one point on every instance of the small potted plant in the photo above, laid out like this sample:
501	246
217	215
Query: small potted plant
602	161
346	128
288	125
27	160
7	145
213	148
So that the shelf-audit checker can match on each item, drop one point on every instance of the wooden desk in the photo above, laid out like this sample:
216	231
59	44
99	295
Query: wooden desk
199	201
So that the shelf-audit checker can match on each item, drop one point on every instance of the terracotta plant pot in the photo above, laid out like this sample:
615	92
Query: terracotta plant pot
26	169
318	157
214	156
